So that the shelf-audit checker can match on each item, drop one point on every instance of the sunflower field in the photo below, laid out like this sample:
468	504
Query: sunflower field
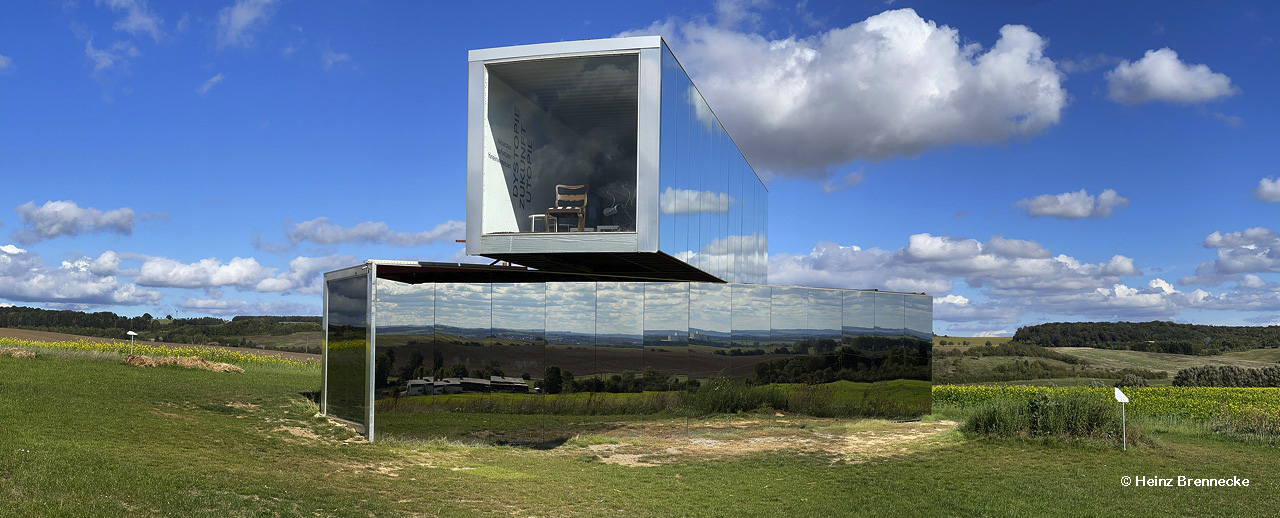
1196	403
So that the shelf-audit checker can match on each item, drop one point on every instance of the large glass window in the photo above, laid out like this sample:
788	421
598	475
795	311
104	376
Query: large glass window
560	145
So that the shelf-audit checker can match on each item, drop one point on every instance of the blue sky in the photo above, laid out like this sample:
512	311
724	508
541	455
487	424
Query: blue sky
213	158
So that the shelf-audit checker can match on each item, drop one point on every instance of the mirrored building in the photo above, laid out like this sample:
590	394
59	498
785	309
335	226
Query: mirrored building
640	233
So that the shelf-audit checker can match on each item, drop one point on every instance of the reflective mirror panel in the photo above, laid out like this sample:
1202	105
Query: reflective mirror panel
519	331
571	327
619	327
789	313
825	315
920	317
890	314
406	345
666	328
751	327
444	350
710	327
859	313
708	191
347	346
463	326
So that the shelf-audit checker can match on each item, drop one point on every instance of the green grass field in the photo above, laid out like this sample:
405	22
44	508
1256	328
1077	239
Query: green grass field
1171	363
85	435
306	342
973	340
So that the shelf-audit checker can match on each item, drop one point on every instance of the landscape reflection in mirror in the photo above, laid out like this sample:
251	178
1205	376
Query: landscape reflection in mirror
347	346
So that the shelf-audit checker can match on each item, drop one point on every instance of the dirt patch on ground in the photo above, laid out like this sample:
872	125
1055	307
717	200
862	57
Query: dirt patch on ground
652	444
897	439
189	362
242	406
299	432
16	352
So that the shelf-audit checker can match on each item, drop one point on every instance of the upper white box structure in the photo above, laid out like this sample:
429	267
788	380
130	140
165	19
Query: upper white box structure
601	157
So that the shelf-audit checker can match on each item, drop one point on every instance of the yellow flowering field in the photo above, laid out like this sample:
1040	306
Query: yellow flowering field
1184	402
208	353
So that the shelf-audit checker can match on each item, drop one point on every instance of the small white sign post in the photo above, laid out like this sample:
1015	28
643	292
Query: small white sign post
133	334
1124	430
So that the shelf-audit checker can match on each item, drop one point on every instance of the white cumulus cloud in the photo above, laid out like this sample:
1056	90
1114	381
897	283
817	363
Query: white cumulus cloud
1015	276
6	63
1268	190
1074	205
66	218
1253	250
165	272
894	84
23	277
1161	76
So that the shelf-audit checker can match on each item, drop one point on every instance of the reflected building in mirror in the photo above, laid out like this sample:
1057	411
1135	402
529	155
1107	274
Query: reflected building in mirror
640	234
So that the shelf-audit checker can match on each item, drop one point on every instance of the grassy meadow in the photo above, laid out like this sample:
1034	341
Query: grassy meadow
86	435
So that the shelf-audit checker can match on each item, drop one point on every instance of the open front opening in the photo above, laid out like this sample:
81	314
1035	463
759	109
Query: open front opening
560	145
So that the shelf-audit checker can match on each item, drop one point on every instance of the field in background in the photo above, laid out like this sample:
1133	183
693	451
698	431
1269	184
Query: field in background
305	342
973	340
45	336
1171	363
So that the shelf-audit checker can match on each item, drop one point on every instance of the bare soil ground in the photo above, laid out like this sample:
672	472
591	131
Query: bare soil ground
45	336
656	443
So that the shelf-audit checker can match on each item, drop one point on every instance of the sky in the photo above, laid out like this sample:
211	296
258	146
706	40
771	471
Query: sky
1021	162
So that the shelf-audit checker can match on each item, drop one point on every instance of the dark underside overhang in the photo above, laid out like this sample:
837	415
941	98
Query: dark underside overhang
652	266
593	266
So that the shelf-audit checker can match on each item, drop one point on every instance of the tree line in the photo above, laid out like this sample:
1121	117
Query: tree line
1227	376
1156	336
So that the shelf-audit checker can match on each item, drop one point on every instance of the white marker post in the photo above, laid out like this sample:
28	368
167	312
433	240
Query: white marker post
1124	430
131	335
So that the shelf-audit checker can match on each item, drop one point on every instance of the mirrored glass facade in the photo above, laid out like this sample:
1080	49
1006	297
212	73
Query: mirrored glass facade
445	348
347	348
637	233
710	200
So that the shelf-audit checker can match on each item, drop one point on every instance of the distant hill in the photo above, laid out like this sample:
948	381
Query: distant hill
173	330
1156	336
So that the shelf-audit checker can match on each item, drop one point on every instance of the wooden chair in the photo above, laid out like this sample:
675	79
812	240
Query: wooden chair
571	201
